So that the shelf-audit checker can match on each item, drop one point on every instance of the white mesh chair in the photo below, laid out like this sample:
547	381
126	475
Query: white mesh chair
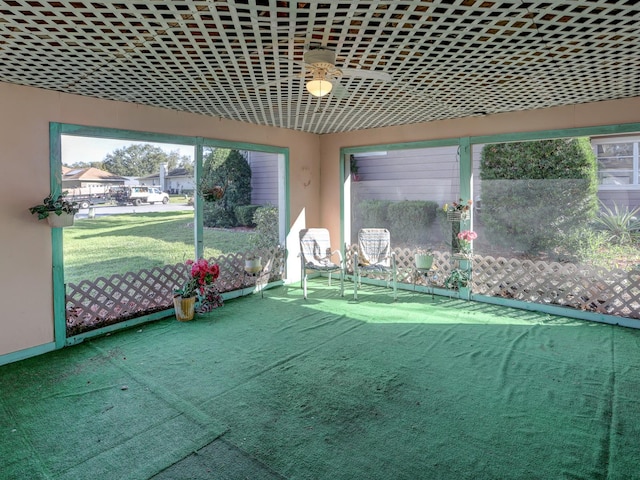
316	254
375	255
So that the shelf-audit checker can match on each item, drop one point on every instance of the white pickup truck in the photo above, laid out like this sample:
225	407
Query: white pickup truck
138	195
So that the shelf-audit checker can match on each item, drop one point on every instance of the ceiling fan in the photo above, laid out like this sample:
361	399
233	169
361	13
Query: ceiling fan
324	76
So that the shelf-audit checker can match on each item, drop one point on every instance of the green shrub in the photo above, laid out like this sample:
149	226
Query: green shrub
266	219
410	220
245	213
229	170
535	194
371	214
621	226
216	215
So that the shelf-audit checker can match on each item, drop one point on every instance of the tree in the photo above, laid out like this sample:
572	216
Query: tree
535	195
139	159
186	163
229	172
86	165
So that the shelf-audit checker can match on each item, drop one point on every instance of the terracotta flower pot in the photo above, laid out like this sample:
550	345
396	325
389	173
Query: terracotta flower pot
184	308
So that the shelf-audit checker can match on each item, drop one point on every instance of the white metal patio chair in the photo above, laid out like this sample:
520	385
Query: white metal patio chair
374	254
316	254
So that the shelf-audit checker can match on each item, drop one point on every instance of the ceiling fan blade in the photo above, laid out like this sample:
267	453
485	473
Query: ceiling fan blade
372	74
276	81
338	91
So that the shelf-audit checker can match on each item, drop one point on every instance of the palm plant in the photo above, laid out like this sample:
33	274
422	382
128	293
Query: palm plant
621	225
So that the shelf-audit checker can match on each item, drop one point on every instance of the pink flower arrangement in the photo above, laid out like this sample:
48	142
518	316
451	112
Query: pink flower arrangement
202	274
465	238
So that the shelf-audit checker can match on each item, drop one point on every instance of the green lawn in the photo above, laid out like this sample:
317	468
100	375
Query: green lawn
124	243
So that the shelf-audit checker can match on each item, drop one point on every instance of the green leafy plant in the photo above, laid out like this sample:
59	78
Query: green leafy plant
353	164
57	205
621	225
457	278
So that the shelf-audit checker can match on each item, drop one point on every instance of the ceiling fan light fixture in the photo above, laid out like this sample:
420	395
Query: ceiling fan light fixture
319	87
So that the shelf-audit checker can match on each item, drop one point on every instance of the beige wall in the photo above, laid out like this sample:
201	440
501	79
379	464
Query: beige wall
25	258
587	115
26	319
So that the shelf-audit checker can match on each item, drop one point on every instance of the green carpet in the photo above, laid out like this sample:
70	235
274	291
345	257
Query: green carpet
327	388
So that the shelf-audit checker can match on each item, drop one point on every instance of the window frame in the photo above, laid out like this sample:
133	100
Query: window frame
635	140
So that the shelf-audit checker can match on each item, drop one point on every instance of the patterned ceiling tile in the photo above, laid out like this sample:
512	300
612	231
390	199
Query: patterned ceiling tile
244	60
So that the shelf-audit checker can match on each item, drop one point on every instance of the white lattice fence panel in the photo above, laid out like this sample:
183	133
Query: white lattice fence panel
406	266
614	292
120	297
101	302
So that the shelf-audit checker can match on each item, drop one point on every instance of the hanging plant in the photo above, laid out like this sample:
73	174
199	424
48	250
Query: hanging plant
457	211
58	211
211	194
354	168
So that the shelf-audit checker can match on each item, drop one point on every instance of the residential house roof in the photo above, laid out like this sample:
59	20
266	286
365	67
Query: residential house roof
88	174
176	172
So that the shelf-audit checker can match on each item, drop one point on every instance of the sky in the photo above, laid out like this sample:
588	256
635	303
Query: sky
87	149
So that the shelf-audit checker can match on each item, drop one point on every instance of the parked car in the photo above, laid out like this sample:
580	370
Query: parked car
138	195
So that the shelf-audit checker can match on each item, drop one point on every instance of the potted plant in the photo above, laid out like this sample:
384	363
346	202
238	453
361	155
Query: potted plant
252	264
464	244
354	168
457	211
423	259
58	211
459	279
202	275
211	194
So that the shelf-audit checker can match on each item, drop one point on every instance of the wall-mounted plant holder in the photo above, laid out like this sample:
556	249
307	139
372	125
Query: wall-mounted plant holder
59	221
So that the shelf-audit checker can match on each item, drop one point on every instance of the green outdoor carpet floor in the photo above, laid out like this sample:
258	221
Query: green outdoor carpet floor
282	388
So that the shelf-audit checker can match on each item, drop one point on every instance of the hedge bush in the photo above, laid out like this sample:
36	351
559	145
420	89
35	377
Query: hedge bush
371	214
266	220
245	213
410	220
536	194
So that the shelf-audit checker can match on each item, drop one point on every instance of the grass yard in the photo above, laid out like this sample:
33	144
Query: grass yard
113	244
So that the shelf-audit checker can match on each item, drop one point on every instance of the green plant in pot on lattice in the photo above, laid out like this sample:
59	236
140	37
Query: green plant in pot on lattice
423	259
199	285
58	211
458	278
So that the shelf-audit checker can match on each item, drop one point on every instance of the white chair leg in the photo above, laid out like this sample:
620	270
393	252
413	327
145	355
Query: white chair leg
395	279
356	273
304	286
